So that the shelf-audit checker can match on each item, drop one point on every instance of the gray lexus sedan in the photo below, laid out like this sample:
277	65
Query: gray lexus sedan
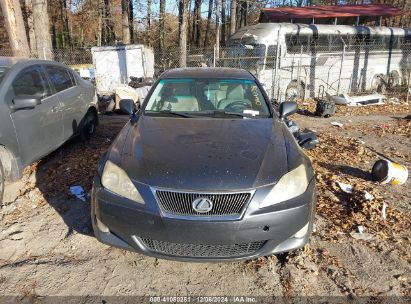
205	170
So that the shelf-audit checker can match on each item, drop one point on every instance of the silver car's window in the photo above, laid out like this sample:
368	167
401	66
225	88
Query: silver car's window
31	81
60	77
200	96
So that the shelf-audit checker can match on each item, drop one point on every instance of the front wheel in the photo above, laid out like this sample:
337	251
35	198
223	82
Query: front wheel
89	126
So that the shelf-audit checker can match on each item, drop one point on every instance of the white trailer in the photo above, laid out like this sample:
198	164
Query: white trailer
298	60
114	65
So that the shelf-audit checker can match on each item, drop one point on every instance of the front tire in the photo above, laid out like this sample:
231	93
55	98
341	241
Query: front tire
89	126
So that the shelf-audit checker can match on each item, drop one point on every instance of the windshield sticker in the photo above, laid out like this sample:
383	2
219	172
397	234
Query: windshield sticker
251	112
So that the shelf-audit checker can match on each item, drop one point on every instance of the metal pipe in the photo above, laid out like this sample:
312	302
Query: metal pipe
341	67
277	59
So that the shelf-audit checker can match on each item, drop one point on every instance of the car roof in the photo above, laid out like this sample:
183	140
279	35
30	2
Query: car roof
207	73
8	62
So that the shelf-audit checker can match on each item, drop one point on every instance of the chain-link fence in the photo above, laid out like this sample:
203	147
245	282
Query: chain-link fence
301	68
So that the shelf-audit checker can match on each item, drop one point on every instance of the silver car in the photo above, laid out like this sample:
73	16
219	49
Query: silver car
42	105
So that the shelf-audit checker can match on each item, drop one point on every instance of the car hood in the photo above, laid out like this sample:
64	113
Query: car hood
207	154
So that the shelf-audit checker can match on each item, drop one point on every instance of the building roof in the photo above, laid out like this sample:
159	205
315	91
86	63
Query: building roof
331	11
228	73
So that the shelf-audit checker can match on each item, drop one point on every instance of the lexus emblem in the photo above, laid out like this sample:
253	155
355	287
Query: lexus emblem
202	205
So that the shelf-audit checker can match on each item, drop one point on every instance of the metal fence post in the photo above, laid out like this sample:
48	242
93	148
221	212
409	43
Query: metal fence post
214	55
341	67
277	56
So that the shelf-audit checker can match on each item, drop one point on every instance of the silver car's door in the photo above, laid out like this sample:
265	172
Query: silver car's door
70	95
39	130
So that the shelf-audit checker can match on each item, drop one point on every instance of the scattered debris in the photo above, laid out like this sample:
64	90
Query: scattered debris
361	235
384	211
368	196
79	192
345	187
363	100
325	108
337	124
388	172
394	100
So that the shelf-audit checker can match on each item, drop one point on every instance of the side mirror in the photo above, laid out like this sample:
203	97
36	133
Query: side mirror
25	102
287	108
127	106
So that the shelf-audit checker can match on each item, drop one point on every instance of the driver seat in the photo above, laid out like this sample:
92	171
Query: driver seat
235	93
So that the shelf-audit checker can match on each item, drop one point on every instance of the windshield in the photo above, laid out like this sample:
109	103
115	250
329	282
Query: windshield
3	72
207	97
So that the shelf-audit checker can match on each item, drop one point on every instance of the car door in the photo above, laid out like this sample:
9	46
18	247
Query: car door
70	95
39	129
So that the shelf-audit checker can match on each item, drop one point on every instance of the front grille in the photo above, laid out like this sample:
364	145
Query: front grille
180	203
202	250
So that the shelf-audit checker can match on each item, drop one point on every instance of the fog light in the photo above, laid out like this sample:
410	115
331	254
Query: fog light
300	234
101	226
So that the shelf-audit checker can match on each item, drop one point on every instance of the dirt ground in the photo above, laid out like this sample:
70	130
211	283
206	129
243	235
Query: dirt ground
47	245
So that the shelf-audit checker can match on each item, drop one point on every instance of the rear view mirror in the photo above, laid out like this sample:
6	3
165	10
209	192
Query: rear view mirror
25	102
287	108
127	106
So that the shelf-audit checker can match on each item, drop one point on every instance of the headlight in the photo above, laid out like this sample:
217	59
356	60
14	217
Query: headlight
116	180
290	185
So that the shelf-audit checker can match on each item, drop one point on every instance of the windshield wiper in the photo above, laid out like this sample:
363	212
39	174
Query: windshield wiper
170	113
221	113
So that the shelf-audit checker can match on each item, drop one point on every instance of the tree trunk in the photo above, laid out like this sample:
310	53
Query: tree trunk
210	13
238	15
162	24
109	36
99	34
217	28
233	14
180	17
183	34
13	21
131	20
42	29
197	22
245	13
125	21
223	21
148	40
65	22
30	27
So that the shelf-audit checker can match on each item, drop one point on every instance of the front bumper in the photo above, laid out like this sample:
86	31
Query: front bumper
121	223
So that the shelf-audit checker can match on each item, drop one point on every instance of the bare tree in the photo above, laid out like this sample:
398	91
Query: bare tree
223	21
161	24
42	29
217	28
131	19
30	28
233	15
196	29
125	6
13	19
183	33
148	30
210	13
108	34
65	37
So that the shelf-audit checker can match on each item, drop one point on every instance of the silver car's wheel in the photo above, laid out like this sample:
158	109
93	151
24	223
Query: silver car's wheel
89	126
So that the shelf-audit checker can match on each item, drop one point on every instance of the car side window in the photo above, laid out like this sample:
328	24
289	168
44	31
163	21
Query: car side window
60	77
31	81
